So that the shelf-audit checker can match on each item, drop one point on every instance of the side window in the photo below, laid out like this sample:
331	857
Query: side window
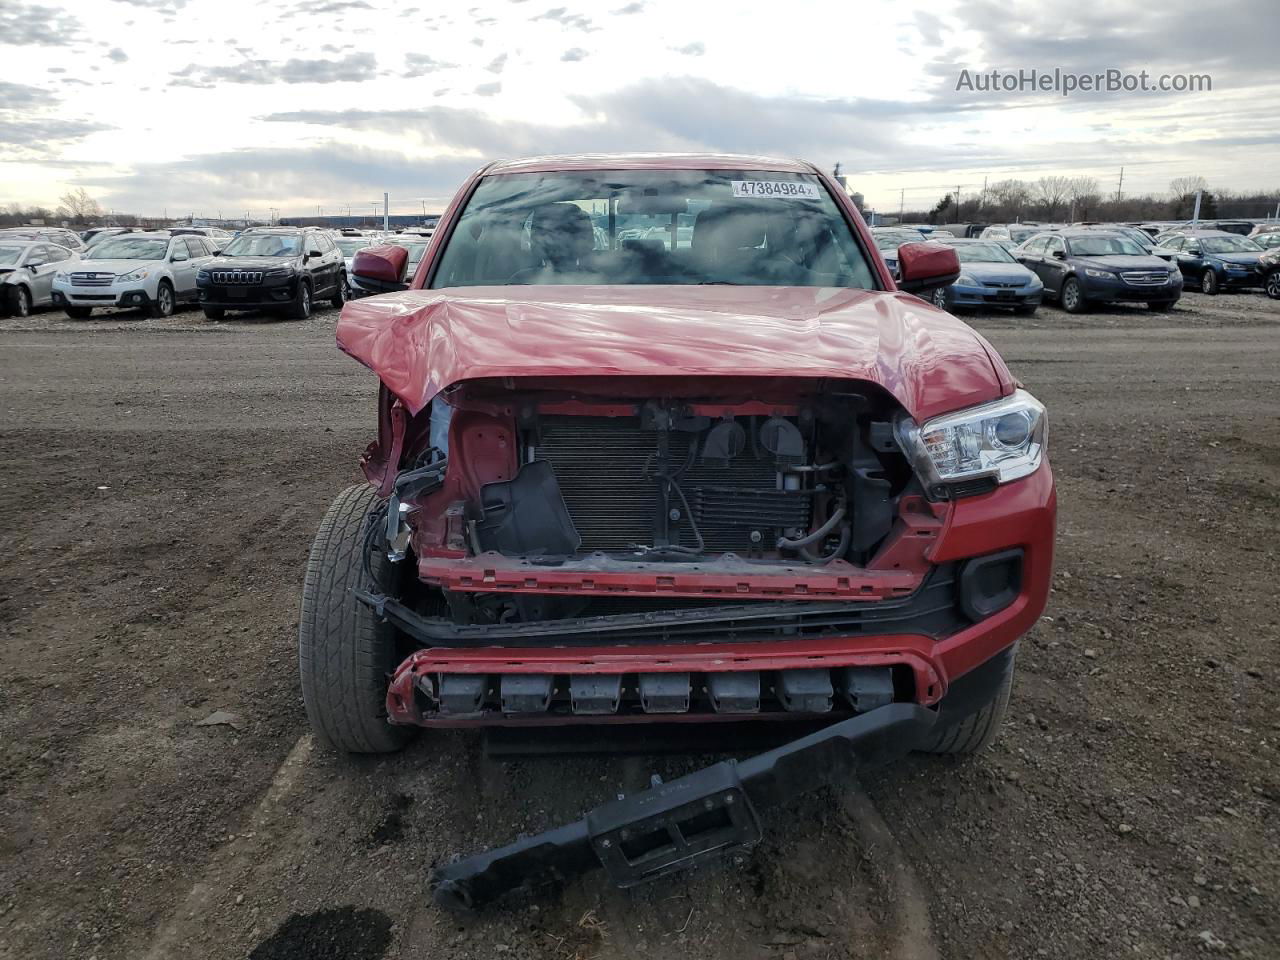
38	256
1175	243
196	247
1053	245
57	254
1035	245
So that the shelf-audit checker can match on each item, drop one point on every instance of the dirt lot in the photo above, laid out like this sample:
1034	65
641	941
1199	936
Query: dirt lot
162	481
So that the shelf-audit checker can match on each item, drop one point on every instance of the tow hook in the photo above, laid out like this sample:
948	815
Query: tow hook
672	826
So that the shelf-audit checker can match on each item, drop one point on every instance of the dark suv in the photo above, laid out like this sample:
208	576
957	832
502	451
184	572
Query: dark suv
274	268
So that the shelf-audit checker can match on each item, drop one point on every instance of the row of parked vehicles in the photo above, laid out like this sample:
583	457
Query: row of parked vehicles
1020	265
281	269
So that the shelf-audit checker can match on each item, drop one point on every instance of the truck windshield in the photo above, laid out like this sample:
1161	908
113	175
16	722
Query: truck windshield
653	227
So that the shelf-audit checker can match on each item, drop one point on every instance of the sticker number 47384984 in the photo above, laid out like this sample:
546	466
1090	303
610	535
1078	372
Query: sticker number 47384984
784	189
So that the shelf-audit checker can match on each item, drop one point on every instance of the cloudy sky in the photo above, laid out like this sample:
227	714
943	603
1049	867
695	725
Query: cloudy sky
222	106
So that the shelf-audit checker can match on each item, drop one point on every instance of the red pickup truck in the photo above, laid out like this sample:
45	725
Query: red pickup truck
660	440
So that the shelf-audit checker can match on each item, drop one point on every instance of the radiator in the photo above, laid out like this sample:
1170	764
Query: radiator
605	466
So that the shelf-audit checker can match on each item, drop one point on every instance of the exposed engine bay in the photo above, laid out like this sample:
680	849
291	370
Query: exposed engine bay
807	481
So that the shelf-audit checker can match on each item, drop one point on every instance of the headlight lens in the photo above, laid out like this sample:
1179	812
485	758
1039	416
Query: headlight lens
1101	274
133	277
1005	440
964	280
60	275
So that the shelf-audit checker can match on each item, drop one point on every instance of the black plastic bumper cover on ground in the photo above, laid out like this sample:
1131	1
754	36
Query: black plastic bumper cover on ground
674	825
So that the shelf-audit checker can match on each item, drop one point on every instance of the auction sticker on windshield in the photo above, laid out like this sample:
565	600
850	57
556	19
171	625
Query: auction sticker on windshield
775	188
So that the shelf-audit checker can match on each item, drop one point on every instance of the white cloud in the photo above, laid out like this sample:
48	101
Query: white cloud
327	83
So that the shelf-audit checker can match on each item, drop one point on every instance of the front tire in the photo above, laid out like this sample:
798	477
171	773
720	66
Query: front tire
164	302
18	300
1073	297
345	655
1273	284
343	293
940	298
300	309
977	731
1209	283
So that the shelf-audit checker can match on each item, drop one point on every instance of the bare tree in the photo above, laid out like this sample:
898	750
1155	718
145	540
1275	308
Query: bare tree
1051	193
1183	187
1084	195
1008	197
78	205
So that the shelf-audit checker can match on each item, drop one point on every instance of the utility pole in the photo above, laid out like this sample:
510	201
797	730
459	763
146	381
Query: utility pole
386	212
957	219
982	201
1195	217
902	199
1120	185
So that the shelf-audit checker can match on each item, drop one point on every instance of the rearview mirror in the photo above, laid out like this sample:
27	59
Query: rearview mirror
381	268
927	265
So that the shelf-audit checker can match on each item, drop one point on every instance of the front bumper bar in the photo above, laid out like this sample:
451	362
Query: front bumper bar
671	826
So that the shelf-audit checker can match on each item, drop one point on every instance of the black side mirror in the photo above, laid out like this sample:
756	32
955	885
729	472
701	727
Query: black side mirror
1193	251
1059	255
314	253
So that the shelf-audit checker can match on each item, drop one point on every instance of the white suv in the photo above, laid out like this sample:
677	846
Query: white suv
154	271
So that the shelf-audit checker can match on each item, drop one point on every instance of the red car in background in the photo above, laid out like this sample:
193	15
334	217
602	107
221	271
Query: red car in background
660	440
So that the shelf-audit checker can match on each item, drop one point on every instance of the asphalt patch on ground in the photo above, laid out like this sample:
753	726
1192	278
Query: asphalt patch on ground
342	934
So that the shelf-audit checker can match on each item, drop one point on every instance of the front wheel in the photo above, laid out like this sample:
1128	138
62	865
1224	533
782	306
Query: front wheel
1209	283
1273	284
940	298
163	304
1072	296
343	293
18	300
345	654
300	309
977	730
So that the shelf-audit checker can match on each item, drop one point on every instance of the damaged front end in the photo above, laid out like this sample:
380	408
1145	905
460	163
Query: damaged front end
608	549
662	549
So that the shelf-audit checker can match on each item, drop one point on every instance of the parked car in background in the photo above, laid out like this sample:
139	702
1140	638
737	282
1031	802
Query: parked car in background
887	241
1215	260
1080	267
1262	229
417	248
1015	233
1136	234
989	277
285	269
1267	241
68	239
154	271
216	233
1269	263
26	274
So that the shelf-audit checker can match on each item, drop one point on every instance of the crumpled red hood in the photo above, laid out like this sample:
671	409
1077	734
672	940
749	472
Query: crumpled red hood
420	341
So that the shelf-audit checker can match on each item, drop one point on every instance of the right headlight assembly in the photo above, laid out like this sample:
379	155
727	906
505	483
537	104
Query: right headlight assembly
999	442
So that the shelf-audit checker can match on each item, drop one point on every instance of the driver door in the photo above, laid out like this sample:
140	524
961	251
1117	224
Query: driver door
41	267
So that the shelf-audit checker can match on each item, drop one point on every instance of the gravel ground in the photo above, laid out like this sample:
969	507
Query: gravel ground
163	479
